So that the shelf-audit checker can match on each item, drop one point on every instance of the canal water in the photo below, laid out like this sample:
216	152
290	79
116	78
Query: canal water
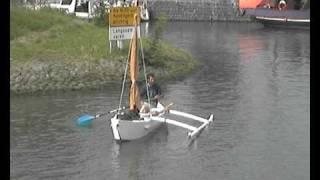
255	80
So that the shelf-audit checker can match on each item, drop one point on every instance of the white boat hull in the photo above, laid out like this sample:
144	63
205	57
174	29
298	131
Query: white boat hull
125	130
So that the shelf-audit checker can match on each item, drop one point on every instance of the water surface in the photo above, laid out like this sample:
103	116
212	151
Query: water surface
255	80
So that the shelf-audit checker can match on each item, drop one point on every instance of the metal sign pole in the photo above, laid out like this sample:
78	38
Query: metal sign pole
110	43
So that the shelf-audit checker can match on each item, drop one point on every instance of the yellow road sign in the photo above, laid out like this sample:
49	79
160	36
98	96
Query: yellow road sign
124	16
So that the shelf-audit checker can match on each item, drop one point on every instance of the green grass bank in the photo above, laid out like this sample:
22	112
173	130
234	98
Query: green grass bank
53	51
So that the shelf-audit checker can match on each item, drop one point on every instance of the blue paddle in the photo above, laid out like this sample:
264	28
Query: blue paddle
87	119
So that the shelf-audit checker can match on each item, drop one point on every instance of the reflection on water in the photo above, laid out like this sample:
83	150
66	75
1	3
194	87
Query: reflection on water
255	80
127	156
249	47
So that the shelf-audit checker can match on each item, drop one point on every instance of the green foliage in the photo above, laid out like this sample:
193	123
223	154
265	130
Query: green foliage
24	21
101	16
154	52
167	57
50	36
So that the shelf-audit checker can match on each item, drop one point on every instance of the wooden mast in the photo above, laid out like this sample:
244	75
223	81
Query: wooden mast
134	97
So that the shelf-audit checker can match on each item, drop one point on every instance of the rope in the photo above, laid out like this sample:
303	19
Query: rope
144	71
124	77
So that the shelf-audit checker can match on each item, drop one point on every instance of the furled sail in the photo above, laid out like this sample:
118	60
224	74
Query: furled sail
134	91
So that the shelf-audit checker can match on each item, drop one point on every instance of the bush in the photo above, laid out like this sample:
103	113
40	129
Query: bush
154	51
101	17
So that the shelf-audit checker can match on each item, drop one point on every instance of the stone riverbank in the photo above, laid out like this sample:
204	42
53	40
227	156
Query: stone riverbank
197	10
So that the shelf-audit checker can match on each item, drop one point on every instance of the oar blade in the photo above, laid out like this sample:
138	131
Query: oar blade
85	120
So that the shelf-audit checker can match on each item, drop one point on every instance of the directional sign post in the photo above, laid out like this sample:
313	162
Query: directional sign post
122	22
122	33
124	16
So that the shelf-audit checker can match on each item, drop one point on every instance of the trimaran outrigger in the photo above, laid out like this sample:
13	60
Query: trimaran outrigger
125	129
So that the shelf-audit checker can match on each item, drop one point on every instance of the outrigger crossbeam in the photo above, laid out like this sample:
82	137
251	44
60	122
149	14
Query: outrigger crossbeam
193	131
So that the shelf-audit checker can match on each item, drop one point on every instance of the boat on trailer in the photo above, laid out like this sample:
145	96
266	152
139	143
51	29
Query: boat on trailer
126	127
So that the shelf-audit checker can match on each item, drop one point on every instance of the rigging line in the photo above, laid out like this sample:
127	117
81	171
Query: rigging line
144	69
125	75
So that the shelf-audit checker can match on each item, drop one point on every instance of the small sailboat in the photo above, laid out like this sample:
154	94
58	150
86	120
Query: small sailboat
130	124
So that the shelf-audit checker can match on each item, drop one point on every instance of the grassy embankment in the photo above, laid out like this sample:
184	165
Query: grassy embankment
50	51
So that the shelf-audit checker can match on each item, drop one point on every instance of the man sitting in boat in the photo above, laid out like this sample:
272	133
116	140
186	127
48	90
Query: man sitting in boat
144	108
146	111
153	89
